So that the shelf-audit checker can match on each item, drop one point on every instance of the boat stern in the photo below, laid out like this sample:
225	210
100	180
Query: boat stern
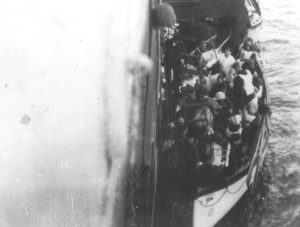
210	208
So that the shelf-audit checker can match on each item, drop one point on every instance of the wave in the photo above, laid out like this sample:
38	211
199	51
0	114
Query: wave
278	41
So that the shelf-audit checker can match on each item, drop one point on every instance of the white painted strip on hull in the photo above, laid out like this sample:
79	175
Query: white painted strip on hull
209	209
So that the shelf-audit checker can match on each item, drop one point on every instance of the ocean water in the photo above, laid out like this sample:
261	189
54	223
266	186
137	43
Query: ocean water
276	202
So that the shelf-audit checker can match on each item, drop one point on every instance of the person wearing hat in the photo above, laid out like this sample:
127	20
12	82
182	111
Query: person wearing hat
252	107
201	125
224	111
229	86
257	80
197	52
173	60
218	86
243	89
238	94
211	103
223	101
247	78
234	129
249	64
208	57
226	61
200	48
220	96
250	112
247	51
181	126
211	57
251	121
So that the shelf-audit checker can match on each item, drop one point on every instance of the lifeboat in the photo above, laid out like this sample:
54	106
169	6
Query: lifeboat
201	169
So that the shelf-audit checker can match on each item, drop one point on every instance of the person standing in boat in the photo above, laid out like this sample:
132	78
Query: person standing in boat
174	60
234	129
208	56
226	61
251	120
197	52
229	85
246	49
238	89
243	89
218	86
224	112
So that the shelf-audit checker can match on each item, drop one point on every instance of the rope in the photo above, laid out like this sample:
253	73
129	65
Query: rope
215	202
237	189
225	190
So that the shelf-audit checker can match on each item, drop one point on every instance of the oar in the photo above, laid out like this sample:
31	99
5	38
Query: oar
225	41
222	44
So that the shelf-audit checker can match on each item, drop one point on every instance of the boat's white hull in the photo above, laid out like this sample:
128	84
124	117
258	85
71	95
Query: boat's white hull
210	208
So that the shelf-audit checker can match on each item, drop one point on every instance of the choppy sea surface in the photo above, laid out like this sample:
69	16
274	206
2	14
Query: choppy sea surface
276	202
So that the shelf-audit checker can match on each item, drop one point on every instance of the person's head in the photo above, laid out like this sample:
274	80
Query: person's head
236	138
248	42
185	75
176	31
253	56
247	46
229	81
220	79
237	66
202	46
265	109
180	121
189	60
204	92
248	119
249	64
203	72
216	68
220	95
227	51
182	61
232	71
252	107
209	46
235	119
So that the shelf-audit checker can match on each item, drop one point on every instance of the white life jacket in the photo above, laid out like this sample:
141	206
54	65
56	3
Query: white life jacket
248	84
216	151
220	157
226	63
190	82
245	54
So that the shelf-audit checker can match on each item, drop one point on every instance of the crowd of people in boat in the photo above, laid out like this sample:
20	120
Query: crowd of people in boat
217	97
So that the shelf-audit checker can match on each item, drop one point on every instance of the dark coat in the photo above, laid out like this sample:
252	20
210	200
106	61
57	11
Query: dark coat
238	94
